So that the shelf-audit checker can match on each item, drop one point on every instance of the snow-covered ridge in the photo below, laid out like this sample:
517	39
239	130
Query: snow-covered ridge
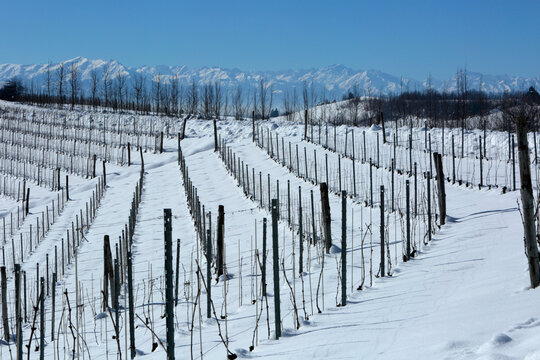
330	82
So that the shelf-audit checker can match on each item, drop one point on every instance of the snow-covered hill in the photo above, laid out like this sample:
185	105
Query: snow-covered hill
330	82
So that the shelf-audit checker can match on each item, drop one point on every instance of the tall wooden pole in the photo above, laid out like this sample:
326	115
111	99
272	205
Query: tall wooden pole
275	252
527	200
169	304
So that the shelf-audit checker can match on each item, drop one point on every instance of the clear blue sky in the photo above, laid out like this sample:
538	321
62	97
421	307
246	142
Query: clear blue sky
407	38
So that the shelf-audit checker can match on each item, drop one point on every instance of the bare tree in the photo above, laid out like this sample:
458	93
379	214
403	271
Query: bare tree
237	103
288	105
120	87
175	90
218	100
138	88
107	85
74	82
157	88
193	98
94	87
354	104
60	78
263	98
207	101
48	80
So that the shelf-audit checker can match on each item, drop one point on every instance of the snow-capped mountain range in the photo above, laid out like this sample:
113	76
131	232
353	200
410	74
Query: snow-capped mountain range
330	82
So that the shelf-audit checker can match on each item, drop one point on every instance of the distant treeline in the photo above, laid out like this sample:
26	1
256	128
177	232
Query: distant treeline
463	107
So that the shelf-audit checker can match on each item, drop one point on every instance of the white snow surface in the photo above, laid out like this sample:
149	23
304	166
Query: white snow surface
464	296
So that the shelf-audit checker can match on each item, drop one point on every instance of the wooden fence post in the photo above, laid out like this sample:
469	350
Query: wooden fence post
27	201
326	218
429	204
169	304
53	308
275	252
209	273
5	322
382	231
453	162
263	275
108	273
129	153
440	183
527	200
177	272
131	303
300	233
216	148
408	219
253	124
343	248
18	318
514	162
104	175
67	187
220	245
42	319
305	124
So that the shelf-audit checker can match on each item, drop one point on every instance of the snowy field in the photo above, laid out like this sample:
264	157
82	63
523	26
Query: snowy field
462	295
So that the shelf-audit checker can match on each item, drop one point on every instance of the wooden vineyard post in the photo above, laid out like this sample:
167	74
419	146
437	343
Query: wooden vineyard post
370	183
481	169
27	201
382	231
142	158
219	240
129	153
383	129
305	124
326	218
453	162
514	163
527	200
392	183
429	204
209	273
18	318
42	319
408	214
253	125
67	188
131	304
364	153
169	304
300	233
263	275
108	273
216	148
177	272
54	279
343	248
275	252
161	144
440	184
184	127
104	175
94	159
5	322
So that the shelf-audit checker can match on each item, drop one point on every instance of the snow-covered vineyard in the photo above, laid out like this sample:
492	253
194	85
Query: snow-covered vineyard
282	241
